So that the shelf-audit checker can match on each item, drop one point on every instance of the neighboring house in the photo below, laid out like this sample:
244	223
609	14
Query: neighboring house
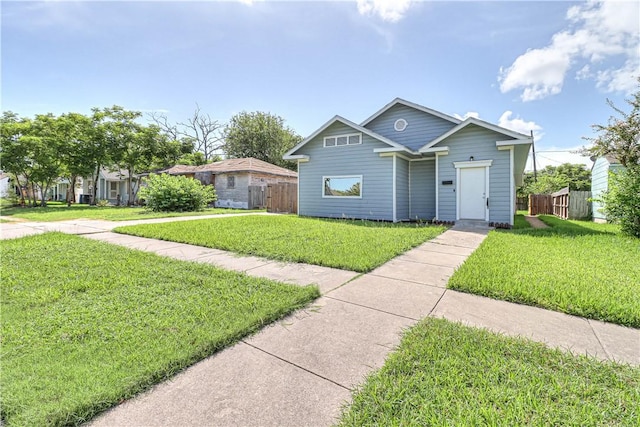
5	185
600	182
112	186
409	162
238	180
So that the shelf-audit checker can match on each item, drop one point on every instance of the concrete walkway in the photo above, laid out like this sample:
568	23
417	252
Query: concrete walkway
15	229
535	222
301	370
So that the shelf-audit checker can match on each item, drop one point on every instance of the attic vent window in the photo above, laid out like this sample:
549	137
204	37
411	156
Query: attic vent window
400	125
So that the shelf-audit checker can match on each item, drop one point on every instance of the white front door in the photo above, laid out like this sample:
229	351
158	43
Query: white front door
473	193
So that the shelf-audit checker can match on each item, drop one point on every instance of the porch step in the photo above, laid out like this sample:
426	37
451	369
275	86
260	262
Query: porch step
471	224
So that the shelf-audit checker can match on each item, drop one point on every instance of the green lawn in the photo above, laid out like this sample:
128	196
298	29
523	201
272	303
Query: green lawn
352	245
445	374
576	267
61	212
86	324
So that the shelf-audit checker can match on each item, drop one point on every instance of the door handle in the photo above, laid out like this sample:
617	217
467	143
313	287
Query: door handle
487	202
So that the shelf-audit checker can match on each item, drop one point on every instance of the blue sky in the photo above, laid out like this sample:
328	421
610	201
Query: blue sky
542	66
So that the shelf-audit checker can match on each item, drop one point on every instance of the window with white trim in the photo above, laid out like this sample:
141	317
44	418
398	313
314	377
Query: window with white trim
347	139
346	186
113	189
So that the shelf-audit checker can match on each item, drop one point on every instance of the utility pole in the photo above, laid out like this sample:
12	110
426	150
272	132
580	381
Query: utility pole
535	171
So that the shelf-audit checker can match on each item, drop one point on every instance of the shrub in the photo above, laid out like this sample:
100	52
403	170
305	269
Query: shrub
166	193
622	200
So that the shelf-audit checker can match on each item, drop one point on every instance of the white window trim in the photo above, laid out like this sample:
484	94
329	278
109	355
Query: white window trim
400	123
342	176
109	189
347	135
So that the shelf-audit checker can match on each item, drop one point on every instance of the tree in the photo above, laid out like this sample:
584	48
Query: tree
199	130
77	130
622	200
621	136
15	151
554	178
260	135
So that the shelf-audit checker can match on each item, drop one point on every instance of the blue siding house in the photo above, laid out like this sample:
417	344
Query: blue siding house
600	183
409	162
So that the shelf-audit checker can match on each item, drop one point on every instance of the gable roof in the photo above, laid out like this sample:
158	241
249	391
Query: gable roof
246	164
180	169
477	122
114	175
411	105
337	119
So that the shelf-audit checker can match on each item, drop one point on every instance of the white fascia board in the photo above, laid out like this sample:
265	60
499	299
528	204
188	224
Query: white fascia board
399	155
480	123
351	125
299	157
411	105
309	138
441	150
511	142
396	150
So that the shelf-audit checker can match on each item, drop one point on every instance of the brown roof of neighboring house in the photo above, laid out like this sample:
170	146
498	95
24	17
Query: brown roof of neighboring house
612	159
247	164
180	169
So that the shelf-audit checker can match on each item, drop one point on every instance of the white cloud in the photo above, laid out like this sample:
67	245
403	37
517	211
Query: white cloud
468	114
519	125
584	73
598	32
387	10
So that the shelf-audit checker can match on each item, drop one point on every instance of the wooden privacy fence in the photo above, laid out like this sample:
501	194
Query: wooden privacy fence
540	204
571	204
561	203
522	203
282	198
580	205
564	204
257	197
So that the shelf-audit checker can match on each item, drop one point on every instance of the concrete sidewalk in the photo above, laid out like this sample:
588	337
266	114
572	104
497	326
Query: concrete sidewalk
15	229
299	371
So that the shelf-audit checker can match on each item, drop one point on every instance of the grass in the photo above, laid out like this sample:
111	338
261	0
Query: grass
351	245
57	211
576	267
86	325
519	222
447	374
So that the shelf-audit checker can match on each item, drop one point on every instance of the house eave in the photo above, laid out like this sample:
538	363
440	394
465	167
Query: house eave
440	150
